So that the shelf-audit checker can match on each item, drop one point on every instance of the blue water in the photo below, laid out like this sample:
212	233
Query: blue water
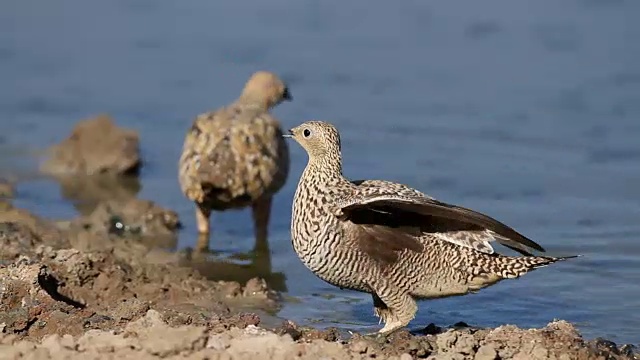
526	110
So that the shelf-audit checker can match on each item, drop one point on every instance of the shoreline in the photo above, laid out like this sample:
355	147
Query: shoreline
76	290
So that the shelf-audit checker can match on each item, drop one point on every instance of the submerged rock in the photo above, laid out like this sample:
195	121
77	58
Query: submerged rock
132	216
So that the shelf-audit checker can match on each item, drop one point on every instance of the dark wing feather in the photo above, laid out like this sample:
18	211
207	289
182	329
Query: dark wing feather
419	212
384	244
383	235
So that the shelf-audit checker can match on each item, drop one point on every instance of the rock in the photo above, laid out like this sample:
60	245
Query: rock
256	286
95	146
360	347
16	239
447	340
486	352
406	356
23	230
290	328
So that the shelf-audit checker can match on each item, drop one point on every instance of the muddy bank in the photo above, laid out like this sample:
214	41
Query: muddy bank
74	290
151	337
67	279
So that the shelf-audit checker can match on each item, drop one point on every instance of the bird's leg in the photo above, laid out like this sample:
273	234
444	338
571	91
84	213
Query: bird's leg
395	307
202	222
261	211
380	310
202	245
202	218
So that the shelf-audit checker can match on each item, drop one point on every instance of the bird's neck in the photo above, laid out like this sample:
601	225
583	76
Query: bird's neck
324	170
251	102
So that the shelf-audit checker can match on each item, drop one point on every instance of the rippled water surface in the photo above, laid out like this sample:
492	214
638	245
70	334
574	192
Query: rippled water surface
526	110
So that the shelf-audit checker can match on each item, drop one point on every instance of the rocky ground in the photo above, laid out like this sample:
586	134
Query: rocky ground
99	287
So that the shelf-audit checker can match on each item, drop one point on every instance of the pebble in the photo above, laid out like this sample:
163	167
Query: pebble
360	346
486	352
406	356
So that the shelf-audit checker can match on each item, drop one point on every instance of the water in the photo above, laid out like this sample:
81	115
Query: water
526	110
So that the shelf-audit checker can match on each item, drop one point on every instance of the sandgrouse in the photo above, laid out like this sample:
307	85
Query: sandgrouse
236	157
392	241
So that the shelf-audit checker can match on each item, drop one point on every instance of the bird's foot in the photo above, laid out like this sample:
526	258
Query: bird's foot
383	314
378	313
391	327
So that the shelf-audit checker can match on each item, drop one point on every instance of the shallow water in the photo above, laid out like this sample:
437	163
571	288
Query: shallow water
526	110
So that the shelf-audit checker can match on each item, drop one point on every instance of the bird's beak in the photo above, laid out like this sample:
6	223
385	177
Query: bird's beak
289	135
287	95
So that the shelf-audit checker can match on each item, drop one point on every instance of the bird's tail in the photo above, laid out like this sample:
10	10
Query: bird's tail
513	267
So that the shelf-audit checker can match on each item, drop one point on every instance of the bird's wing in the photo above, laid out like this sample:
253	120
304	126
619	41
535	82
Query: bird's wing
467	235
400	209
208	145
262	153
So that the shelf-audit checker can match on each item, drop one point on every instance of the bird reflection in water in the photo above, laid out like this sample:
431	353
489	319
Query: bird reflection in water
240	266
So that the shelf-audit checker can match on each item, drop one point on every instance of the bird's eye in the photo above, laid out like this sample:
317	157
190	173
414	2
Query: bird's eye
306	133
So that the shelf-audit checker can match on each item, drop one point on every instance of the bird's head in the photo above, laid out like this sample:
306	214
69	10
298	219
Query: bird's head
267	89
320	139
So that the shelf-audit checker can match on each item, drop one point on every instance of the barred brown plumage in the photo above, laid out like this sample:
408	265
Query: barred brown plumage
236	156
392	241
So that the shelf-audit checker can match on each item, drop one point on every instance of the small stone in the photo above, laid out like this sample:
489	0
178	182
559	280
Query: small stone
607	344
255	286
486	352
446	340
289	327
406	356
67	342
254	330
539	352
432	329
218	342
360	346
465	344
629	351
8	339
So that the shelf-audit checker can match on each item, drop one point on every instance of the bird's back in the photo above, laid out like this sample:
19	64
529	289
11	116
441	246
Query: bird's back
233	156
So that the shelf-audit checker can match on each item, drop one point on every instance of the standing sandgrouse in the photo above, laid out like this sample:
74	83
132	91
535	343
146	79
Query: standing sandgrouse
392	241
236	156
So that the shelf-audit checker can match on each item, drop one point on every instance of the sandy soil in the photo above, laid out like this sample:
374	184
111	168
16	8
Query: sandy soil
98	287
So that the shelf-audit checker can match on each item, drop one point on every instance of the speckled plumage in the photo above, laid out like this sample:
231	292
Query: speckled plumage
393	241
236	156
